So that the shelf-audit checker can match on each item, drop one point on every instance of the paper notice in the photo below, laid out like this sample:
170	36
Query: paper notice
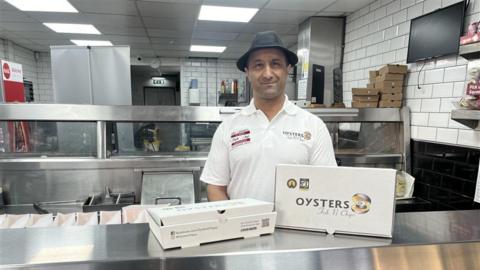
302	89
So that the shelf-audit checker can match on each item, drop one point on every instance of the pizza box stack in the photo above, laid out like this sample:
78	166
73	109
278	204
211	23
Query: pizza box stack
195	224
389	83
366	97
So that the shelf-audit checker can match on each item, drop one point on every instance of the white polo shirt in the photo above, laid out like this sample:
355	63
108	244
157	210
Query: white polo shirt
247	147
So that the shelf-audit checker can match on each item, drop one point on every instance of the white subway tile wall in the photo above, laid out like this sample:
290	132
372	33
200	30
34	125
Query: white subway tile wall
209	73
441	81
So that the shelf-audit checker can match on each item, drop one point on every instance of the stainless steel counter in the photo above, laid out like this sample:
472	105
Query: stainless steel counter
418	243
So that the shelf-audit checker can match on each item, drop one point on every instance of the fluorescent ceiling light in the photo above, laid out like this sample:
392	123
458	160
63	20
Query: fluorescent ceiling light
45	6
91	42
73	28
226	14
202	48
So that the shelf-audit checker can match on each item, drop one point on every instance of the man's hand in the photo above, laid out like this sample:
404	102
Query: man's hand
216	193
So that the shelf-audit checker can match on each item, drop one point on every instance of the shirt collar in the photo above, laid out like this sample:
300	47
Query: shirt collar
288	107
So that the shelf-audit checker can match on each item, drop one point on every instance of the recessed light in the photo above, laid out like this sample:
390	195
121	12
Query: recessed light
226	14
73	28
44	6
91	42
202	48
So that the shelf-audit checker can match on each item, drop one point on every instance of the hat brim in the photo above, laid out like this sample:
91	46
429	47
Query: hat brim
292	58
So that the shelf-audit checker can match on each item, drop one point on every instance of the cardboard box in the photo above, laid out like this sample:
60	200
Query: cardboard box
371	85
195	224
364	91
365	98
391	77
373	73
393	90
381	84
348	200
390	104
401	69
364	104
391	96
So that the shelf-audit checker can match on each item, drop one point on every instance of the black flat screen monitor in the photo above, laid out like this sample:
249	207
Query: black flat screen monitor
436	34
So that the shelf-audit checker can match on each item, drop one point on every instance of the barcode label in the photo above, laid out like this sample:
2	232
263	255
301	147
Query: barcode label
265	222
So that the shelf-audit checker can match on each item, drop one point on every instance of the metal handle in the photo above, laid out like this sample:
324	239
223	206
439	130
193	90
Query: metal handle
178	199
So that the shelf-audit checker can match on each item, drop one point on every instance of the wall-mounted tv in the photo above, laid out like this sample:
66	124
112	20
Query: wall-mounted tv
436	33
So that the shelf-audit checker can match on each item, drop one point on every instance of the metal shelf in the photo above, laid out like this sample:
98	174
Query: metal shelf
465	117
470	51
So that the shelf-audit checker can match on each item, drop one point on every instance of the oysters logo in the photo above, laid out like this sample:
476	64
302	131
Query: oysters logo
307	135
361	203
6	71
291	183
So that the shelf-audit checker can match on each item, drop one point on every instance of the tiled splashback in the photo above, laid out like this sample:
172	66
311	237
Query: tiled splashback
378	34
445	175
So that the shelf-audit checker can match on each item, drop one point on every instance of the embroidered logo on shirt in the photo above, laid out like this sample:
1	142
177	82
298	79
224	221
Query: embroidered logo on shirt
291	135
240	137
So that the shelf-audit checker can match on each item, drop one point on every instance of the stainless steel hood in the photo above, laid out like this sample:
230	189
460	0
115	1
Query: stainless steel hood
320	53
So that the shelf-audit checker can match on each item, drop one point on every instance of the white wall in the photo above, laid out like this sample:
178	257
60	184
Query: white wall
209	73
35	70
378	34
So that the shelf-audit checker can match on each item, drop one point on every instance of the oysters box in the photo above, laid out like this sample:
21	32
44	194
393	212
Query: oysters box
195	224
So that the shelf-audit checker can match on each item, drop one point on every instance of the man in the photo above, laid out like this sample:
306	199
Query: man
270	131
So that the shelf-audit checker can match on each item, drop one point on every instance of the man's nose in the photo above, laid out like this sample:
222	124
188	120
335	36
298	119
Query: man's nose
267	72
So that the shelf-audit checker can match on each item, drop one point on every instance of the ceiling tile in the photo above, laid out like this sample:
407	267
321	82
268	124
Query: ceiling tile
116	20
260	27
165	41
233	56
236	3
171	53
299	5
55	17
32	27
208	26
163	33
173	1
49	42
6	6
348	5
245	37
331	13
208	42
169	23
115	30
281	16
173	47
214	35
34	35
118	39
121	7
14	16
142	52
168	10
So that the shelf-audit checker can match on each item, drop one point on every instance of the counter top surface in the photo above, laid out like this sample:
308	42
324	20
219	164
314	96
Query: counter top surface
136	242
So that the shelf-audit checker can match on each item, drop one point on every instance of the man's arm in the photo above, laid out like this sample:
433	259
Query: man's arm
216	193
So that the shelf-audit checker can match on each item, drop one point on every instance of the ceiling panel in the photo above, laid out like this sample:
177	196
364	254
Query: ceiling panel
121	7
55	17
163	33
234	56
116	30
209	26
14	16
117	39
164	41
259	27
143	52
173	47
170	53
53	42
331	13
214	35
40	35
168	10
116	20
179	24
236	3
348	5
209	42
140	46
173	1
20	27
281	16
300	5
6	6
245	37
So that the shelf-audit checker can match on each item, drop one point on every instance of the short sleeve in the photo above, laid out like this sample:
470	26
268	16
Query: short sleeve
217	169
322	152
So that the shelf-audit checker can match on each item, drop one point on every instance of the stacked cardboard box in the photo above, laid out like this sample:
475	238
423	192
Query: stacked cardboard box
389	83
364	97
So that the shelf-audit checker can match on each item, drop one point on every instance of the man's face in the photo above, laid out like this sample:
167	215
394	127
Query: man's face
267	71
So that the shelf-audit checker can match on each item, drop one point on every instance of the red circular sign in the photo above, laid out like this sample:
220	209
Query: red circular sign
6	71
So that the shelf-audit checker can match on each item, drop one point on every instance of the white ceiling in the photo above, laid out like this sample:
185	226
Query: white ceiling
167	28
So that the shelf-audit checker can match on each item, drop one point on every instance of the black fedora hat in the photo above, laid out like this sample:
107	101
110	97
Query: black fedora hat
264	40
